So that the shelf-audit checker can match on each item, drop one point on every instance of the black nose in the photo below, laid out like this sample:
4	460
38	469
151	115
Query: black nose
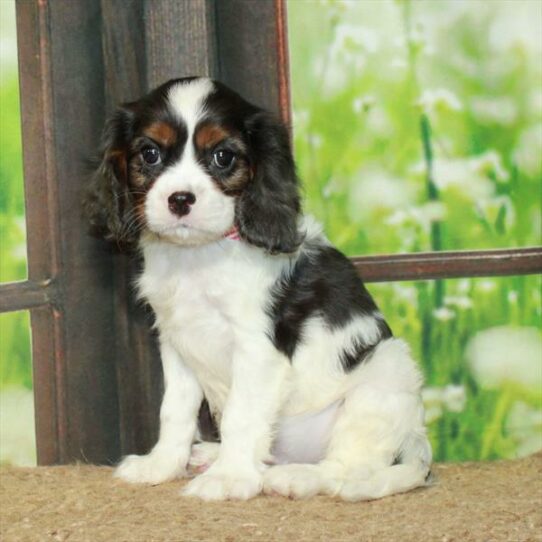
179	202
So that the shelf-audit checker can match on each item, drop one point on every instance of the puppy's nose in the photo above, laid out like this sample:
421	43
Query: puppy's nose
179	202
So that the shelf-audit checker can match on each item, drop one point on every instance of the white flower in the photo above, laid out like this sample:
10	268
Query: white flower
431	395
8	41
407	293
506	354
398	218
432	402
399	63
377	190
451	398
332	187
316	140
354	36
347	55
19	251
444	314
489	163
528	152
433	413
461	302
439	99
17	427
301	117
464	286
512	296
460	174
454	398
471	177
494	110
378	122
417	39
517	27
423	215
535	102
433	211
491	207
524	425
487	285
464	64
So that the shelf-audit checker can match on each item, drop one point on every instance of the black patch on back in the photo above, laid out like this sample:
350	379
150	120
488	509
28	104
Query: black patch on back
324	283
360	351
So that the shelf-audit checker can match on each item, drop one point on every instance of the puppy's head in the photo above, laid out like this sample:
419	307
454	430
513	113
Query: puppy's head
191	161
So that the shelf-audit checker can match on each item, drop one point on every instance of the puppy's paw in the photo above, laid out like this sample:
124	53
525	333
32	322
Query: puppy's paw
202	456
294	481
219	485
153	468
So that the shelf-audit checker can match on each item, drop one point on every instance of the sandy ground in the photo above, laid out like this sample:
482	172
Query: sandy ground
469	502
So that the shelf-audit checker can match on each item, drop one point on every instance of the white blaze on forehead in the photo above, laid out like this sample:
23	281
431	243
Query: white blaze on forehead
186	100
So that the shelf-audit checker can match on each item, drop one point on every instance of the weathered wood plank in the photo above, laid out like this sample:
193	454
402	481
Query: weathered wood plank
441	265
253	52
62	98
17	296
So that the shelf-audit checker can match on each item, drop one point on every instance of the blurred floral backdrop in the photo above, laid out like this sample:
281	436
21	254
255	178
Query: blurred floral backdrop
17	441
418	127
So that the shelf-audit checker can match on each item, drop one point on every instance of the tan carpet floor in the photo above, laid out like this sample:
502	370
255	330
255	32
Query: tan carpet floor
469	502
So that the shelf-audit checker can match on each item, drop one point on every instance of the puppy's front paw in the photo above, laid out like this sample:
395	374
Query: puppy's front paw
219	485
153	468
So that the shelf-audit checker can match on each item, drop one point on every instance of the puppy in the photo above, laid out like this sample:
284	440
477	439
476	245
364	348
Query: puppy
256	311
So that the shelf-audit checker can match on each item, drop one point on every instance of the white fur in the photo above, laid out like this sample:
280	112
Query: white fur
186	100
210	296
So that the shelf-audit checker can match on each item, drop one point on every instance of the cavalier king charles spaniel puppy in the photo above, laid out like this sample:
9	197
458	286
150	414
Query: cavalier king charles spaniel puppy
256	311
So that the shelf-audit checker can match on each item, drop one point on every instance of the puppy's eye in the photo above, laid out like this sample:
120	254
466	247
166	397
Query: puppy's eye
223	158
151	155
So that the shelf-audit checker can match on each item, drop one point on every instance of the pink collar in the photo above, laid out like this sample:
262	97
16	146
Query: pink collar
232	233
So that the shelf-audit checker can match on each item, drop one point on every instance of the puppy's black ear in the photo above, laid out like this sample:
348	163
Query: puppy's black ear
107	200
268	209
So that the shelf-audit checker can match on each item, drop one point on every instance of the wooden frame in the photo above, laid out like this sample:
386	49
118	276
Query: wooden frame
78	290
88	334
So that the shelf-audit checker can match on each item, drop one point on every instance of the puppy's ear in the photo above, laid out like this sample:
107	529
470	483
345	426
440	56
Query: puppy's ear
107	201
268	209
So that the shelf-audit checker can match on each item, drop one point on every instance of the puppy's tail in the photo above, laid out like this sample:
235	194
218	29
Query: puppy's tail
413	469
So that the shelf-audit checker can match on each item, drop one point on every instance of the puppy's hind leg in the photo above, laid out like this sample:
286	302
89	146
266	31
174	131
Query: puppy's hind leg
371	453
202	456
380	444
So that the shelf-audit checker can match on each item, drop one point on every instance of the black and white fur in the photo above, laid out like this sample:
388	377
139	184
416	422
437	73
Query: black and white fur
311	392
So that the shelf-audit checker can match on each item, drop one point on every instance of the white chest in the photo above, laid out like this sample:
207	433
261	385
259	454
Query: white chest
206	301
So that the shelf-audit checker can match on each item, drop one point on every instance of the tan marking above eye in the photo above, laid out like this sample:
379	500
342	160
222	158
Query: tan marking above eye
209	135
162	133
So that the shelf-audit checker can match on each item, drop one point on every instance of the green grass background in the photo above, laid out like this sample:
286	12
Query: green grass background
375	81
367	77
15	365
